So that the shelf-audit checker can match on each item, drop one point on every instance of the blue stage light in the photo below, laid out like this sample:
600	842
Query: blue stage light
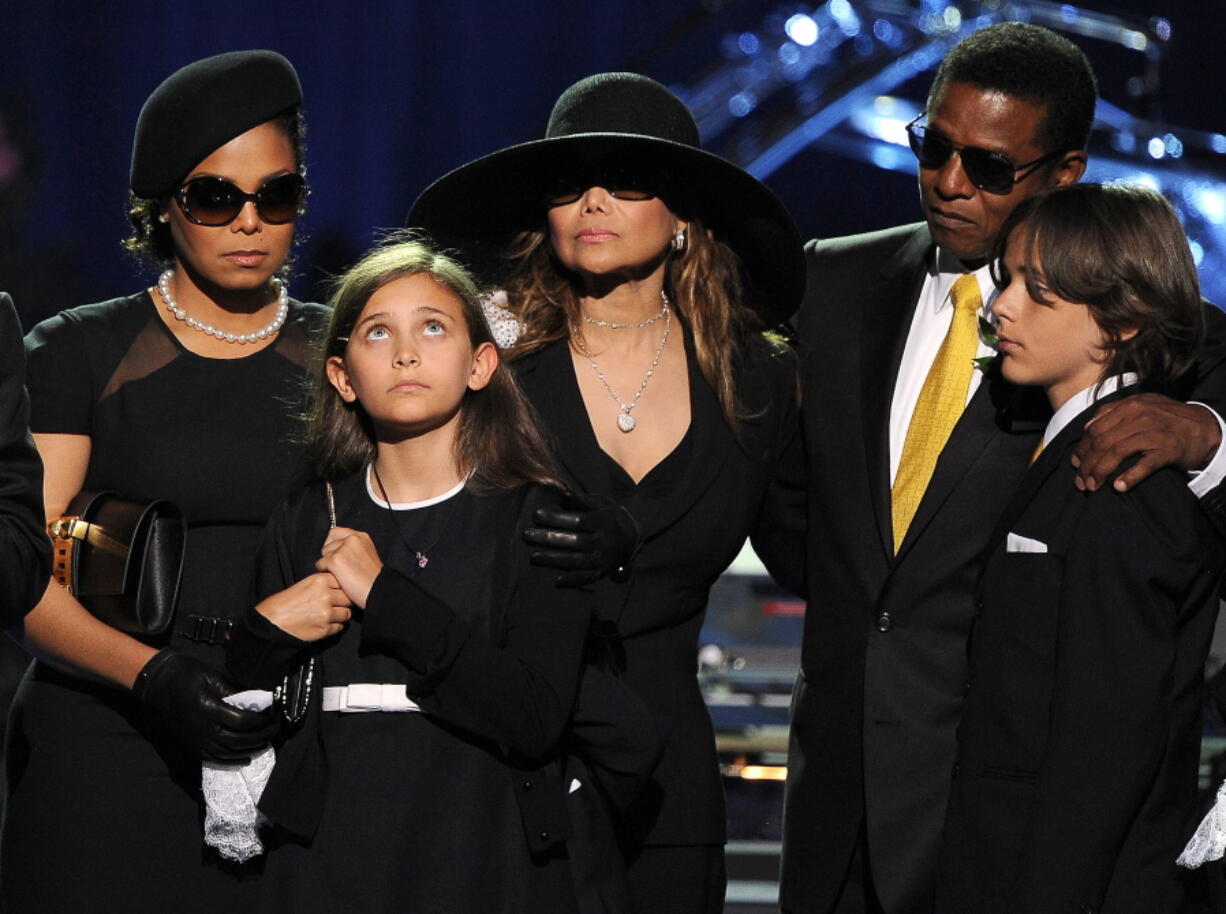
801	29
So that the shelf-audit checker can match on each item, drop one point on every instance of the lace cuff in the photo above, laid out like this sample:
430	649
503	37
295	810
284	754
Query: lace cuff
1209	842
231	792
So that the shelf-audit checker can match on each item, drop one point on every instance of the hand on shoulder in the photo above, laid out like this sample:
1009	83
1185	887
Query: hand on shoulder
1162	431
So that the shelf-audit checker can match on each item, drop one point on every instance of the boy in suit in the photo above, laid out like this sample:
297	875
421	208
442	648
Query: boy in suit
1079	743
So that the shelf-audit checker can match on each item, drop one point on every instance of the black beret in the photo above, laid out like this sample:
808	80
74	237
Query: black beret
201	108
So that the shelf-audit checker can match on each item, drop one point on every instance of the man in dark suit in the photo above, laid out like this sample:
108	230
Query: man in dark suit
899	510
25	551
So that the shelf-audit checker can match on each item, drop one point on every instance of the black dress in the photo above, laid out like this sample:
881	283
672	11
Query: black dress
694	510
461	807
103	810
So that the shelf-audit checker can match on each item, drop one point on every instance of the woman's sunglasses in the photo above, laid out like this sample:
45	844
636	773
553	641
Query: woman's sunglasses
566	192
990	171
216	201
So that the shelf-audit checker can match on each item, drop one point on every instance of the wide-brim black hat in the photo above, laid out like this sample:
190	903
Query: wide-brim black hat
203	106
624	122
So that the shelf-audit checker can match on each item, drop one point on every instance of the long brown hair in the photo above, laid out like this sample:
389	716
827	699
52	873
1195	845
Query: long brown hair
704	283
498	442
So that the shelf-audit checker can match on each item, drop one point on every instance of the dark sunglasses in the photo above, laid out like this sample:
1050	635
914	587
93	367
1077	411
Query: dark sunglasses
990	171
216	201
620	187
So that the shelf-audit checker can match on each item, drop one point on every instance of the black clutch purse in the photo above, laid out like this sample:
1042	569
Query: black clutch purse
121	559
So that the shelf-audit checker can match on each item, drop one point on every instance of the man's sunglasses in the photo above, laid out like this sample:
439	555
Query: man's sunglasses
216	201
987	170
565	192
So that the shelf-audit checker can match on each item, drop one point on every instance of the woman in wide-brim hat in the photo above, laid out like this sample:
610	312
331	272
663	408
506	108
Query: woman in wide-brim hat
639	272
183	391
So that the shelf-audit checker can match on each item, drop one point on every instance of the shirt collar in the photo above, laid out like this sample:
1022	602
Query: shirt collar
945	270
1082	400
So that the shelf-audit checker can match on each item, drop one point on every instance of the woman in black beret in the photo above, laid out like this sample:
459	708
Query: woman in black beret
187	391
639	272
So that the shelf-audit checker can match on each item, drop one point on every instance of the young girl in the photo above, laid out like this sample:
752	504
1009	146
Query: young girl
1075	787
441	668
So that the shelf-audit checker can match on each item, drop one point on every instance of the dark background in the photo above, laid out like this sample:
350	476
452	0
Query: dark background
397	93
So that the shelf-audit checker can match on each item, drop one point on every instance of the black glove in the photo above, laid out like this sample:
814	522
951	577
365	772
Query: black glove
188	697
590	536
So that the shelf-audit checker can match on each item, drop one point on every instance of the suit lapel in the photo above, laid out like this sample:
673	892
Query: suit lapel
997	409
711	443
548	377
975	429
1046	464
885	313
1051	459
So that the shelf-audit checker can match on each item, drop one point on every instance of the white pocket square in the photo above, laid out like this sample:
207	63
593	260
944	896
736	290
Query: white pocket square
1016	543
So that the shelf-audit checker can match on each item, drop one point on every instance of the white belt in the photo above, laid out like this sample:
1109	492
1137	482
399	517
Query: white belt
368	696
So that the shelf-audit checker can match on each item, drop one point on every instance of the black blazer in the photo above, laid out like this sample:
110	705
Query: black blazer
25	551
1079	745
688	538
884	660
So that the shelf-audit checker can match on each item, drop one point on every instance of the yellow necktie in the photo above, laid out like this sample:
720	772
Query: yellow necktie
940	403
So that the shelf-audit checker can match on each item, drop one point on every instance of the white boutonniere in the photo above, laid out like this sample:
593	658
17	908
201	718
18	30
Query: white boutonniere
987	333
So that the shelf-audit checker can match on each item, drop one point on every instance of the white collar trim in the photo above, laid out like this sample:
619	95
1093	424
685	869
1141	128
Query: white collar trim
409	505
1082	400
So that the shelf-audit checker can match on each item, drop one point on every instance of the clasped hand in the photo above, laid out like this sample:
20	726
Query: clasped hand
315	607
321	604
349	557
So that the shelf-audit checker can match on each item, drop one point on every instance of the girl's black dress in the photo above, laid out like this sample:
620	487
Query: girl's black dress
460	807
103	808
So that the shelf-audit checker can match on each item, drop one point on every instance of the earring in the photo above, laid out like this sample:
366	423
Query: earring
162	217
678	242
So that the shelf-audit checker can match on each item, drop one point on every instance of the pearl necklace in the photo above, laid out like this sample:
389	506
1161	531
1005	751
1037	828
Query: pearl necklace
639	326
264	332
625	421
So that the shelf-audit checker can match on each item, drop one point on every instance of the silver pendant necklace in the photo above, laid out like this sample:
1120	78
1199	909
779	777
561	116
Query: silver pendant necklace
421	557
625	421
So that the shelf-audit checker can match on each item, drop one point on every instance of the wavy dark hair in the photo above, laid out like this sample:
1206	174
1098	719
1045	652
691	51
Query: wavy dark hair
704	282
151	242
498	444
1119	250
